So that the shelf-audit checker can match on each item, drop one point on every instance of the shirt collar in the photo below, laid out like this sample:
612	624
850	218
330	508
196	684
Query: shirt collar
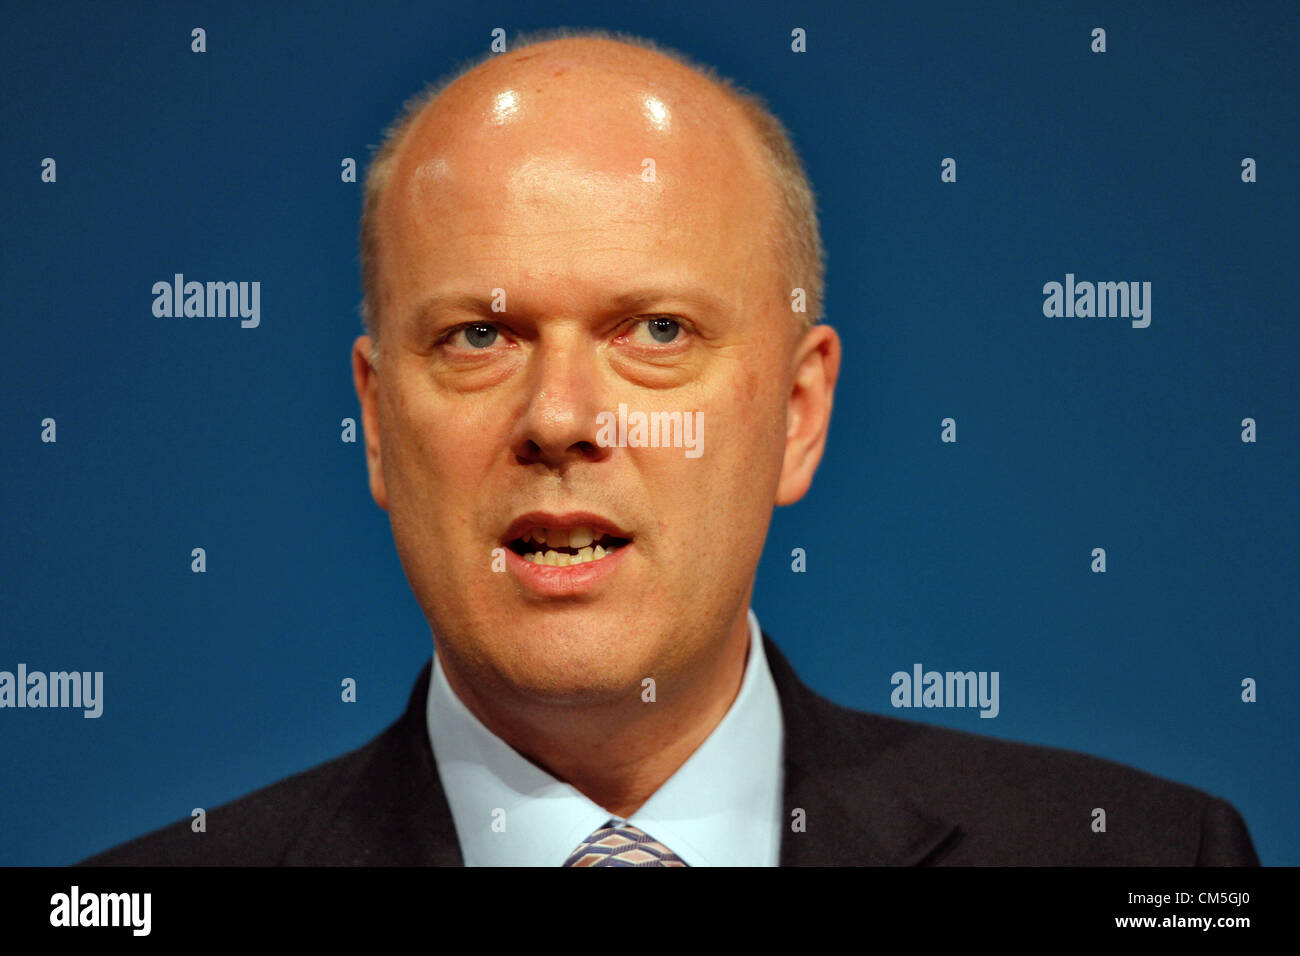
721	808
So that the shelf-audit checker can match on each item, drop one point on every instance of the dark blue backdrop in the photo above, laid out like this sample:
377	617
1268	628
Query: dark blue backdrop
1073	433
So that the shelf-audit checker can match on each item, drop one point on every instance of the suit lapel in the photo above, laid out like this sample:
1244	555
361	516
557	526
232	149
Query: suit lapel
392	811
837	772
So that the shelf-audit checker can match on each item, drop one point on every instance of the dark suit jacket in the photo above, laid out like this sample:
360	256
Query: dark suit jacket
874	791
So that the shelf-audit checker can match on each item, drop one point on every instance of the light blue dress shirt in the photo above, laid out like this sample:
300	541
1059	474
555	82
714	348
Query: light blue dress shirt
721	808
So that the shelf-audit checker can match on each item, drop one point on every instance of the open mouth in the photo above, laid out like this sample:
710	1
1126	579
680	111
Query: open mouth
563	547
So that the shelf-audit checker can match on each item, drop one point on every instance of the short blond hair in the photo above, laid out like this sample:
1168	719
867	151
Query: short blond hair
796	234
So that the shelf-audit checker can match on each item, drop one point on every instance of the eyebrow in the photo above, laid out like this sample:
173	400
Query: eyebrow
644	298
453	302
633	300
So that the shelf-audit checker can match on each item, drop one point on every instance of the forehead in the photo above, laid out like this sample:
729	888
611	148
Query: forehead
566	165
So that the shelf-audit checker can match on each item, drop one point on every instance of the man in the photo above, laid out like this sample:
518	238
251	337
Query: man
571	238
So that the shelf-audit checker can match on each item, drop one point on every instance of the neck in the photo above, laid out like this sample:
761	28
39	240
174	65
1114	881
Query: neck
616	754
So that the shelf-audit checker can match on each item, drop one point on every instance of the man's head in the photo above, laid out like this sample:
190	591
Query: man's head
795	233
577	231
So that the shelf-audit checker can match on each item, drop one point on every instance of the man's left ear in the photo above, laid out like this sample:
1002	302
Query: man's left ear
816	367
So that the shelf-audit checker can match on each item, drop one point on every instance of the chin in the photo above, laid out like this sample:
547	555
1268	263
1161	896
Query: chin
574	660
578	690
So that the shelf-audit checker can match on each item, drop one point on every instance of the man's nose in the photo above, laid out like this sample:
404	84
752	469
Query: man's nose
559	420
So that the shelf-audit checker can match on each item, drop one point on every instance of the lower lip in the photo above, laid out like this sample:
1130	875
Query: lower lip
570	581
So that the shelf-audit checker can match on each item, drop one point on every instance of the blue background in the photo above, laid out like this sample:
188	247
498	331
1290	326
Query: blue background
1073	433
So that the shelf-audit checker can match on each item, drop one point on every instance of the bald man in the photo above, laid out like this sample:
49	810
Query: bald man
592	367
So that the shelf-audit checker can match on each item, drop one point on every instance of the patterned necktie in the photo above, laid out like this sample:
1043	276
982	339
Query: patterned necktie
622	845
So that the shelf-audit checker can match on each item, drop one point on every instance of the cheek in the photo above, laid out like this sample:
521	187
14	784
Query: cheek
756	404
743	448
430	454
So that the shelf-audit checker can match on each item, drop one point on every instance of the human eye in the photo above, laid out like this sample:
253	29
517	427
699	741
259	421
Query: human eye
655	332
473	336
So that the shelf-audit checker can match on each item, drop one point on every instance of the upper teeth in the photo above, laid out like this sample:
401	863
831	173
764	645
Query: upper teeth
579	537
579	540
